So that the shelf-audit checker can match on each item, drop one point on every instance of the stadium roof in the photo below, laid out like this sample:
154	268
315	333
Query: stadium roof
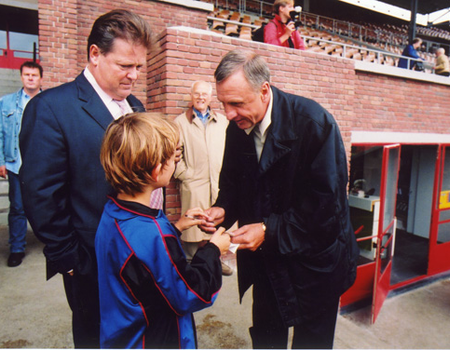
429	11
425	6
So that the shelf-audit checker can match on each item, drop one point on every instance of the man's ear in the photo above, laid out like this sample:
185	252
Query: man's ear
94	54
265	92
156	172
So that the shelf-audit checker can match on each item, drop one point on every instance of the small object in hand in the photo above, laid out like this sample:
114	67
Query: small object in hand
193	217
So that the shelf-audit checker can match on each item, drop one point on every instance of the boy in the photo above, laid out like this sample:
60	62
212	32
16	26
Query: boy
148	291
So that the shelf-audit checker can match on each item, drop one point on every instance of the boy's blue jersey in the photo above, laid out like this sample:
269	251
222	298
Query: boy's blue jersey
148	291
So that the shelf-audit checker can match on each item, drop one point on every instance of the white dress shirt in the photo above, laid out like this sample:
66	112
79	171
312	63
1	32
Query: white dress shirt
261	129
109	102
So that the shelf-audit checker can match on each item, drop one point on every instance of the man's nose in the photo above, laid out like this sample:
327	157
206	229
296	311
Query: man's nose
133	73
230	113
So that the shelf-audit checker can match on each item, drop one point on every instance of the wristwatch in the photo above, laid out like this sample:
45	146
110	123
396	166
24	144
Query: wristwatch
263	225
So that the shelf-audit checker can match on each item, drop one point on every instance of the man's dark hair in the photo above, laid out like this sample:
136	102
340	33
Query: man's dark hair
119	24
32	64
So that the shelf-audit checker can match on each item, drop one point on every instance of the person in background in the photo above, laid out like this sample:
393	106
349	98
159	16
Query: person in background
284	179
63	183
442	66
410	51
11	109
281	30
202	139
153	310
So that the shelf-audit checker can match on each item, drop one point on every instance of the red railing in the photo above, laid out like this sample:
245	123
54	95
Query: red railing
13	59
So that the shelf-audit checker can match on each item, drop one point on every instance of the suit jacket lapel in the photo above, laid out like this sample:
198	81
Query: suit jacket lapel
135	104
281	132
92	103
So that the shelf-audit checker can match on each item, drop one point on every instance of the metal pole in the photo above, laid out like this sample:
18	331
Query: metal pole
306	5
412	23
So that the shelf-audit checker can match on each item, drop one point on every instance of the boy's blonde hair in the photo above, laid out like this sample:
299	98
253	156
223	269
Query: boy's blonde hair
133	146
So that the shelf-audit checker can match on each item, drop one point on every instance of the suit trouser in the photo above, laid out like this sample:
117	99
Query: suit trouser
268	330
82	295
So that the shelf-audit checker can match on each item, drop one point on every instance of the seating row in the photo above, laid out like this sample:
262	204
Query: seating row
233	23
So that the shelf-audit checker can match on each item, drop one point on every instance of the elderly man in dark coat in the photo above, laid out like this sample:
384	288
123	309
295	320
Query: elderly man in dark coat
284	178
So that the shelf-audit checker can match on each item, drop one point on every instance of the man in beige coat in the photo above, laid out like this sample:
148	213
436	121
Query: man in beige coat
442	66
202	138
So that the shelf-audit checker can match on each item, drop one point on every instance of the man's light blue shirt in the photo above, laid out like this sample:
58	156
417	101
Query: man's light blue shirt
202	117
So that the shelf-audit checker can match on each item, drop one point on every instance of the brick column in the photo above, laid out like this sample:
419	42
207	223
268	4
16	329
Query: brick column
58	37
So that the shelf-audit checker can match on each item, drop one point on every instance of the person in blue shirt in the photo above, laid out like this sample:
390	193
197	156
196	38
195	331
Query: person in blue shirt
11	109
148	291
410	51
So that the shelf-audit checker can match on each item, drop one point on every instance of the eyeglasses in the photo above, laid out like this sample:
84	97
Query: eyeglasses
198	94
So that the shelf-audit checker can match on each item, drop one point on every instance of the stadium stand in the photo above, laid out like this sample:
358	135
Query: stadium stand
370	42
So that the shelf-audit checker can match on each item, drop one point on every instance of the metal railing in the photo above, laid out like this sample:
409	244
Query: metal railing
13	59
367	54
336	48
363	33
241	24
253	6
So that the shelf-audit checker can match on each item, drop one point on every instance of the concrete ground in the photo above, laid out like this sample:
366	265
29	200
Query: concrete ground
34	312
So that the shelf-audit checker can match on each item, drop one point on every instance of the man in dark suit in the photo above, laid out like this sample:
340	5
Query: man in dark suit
63	182
284	178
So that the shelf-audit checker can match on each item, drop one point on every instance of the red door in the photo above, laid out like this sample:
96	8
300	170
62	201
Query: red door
439	252
386	227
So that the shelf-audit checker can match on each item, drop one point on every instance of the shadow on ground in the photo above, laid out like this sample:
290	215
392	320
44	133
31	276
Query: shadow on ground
34	313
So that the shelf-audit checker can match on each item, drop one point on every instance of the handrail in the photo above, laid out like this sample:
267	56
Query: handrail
378	53
345	47
232	22
10	60
362	30
7	51
261	5
381	35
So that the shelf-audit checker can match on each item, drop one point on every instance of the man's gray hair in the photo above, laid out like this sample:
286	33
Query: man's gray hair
254	67
202	82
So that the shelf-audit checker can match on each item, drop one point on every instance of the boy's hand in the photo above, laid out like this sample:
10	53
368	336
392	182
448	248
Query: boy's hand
192	217
220	240
216	215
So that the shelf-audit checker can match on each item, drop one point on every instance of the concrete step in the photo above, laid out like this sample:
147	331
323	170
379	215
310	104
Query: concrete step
9	81
4	201
3	187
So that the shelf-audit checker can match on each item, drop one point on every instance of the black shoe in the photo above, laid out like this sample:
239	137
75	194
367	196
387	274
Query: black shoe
15	259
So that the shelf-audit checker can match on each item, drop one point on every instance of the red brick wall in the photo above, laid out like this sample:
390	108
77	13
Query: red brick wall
187	57
401	105
58	41
64	26
358	100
